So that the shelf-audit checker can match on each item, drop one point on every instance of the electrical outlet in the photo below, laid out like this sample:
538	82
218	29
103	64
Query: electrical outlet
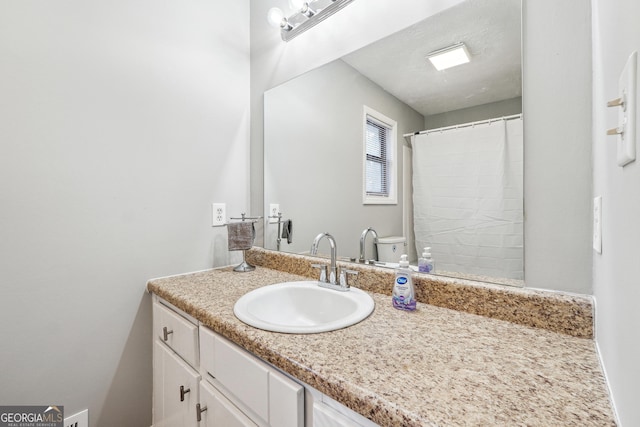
81	419
219	211
274	210
597	224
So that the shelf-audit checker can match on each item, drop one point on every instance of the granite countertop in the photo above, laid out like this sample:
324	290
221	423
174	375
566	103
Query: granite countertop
432	367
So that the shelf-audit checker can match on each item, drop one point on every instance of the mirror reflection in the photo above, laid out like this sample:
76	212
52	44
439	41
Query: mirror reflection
382	140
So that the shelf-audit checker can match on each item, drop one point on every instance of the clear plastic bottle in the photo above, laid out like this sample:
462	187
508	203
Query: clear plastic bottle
404	296
425	262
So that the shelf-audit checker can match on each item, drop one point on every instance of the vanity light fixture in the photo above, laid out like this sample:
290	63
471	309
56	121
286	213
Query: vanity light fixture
303	7
449	56
308	14
276	19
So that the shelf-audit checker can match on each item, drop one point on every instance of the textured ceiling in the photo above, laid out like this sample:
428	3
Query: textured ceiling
491	29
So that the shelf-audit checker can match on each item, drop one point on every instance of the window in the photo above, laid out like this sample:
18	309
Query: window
379	166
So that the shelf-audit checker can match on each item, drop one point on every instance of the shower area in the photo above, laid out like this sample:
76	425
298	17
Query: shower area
467	196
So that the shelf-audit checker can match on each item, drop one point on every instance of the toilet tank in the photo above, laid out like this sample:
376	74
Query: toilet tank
390	248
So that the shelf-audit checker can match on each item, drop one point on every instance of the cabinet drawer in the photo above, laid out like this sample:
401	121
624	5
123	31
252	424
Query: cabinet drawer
286	401
252	383
176	331
324	416
243	376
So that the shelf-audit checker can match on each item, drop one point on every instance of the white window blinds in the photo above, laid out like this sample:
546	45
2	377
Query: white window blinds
377	161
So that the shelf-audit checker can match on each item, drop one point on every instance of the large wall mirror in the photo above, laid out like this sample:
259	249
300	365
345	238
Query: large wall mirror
457	184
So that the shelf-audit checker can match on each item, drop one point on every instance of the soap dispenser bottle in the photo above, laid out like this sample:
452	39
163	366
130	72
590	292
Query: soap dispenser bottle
425	262
404	297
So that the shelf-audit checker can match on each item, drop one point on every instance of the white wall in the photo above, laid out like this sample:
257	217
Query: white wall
616	271
121	122
492	110
556	73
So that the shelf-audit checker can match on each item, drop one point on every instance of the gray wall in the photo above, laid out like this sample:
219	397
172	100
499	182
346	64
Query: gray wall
313	152
556	107
557	149
616	271
121	123
492	110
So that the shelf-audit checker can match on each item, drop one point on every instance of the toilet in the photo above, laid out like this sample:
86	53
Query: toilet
390	248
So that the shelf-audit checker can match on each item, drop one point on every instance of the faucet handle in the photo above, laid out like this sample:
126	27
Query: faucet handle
323	271
344	277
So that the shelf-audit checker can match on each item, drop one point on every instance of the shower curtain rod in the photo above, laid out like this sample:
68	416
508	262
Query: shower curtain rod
407	136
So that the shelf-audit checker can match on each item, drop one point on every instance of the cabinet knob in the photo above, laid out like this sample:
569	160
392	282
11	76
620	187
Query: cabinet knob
166	333
199	411
183	391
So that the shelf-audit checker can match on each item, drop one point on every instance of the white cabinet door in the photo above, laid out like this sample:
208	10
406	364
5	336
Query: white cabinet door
242	374
217	411
176	397
158	384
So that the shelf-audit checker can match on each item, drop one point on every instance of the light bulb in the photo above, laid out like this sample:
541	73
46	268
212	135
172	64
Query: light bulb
275	17
307	11
302	6
296	4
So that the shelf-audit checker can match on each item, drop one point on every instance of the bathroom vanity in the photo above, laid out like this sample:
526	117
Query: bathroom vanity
202	379
528	360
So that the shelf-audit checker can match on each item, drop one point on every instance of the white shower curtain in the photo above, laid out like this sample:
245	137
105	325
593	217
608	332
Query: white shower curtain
468	198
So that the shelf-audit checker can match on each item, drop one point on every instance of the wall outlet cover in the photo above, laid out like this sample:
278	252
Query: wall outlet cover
274	210
219	214
81	419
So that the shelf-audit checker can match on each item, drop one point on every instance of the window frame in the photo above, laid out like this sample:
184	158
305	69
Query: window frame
391	149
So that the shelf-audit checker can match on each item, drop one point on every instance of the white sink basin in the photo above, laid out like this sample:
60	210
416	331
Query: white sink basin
302	308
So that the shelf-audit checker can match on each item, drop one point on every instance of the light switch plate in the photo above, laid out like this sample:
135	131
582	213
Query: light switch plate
597	224
219	214
627	115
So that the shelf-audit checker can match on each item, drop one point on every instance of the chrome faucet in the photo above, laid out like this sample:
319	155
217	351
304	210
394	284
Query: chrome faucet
334	250
333	283
363	237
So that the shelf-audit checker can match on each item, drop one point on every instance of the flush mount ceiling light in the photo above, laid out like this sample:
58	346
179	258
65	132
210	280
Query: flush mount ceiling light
308	14
449	56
